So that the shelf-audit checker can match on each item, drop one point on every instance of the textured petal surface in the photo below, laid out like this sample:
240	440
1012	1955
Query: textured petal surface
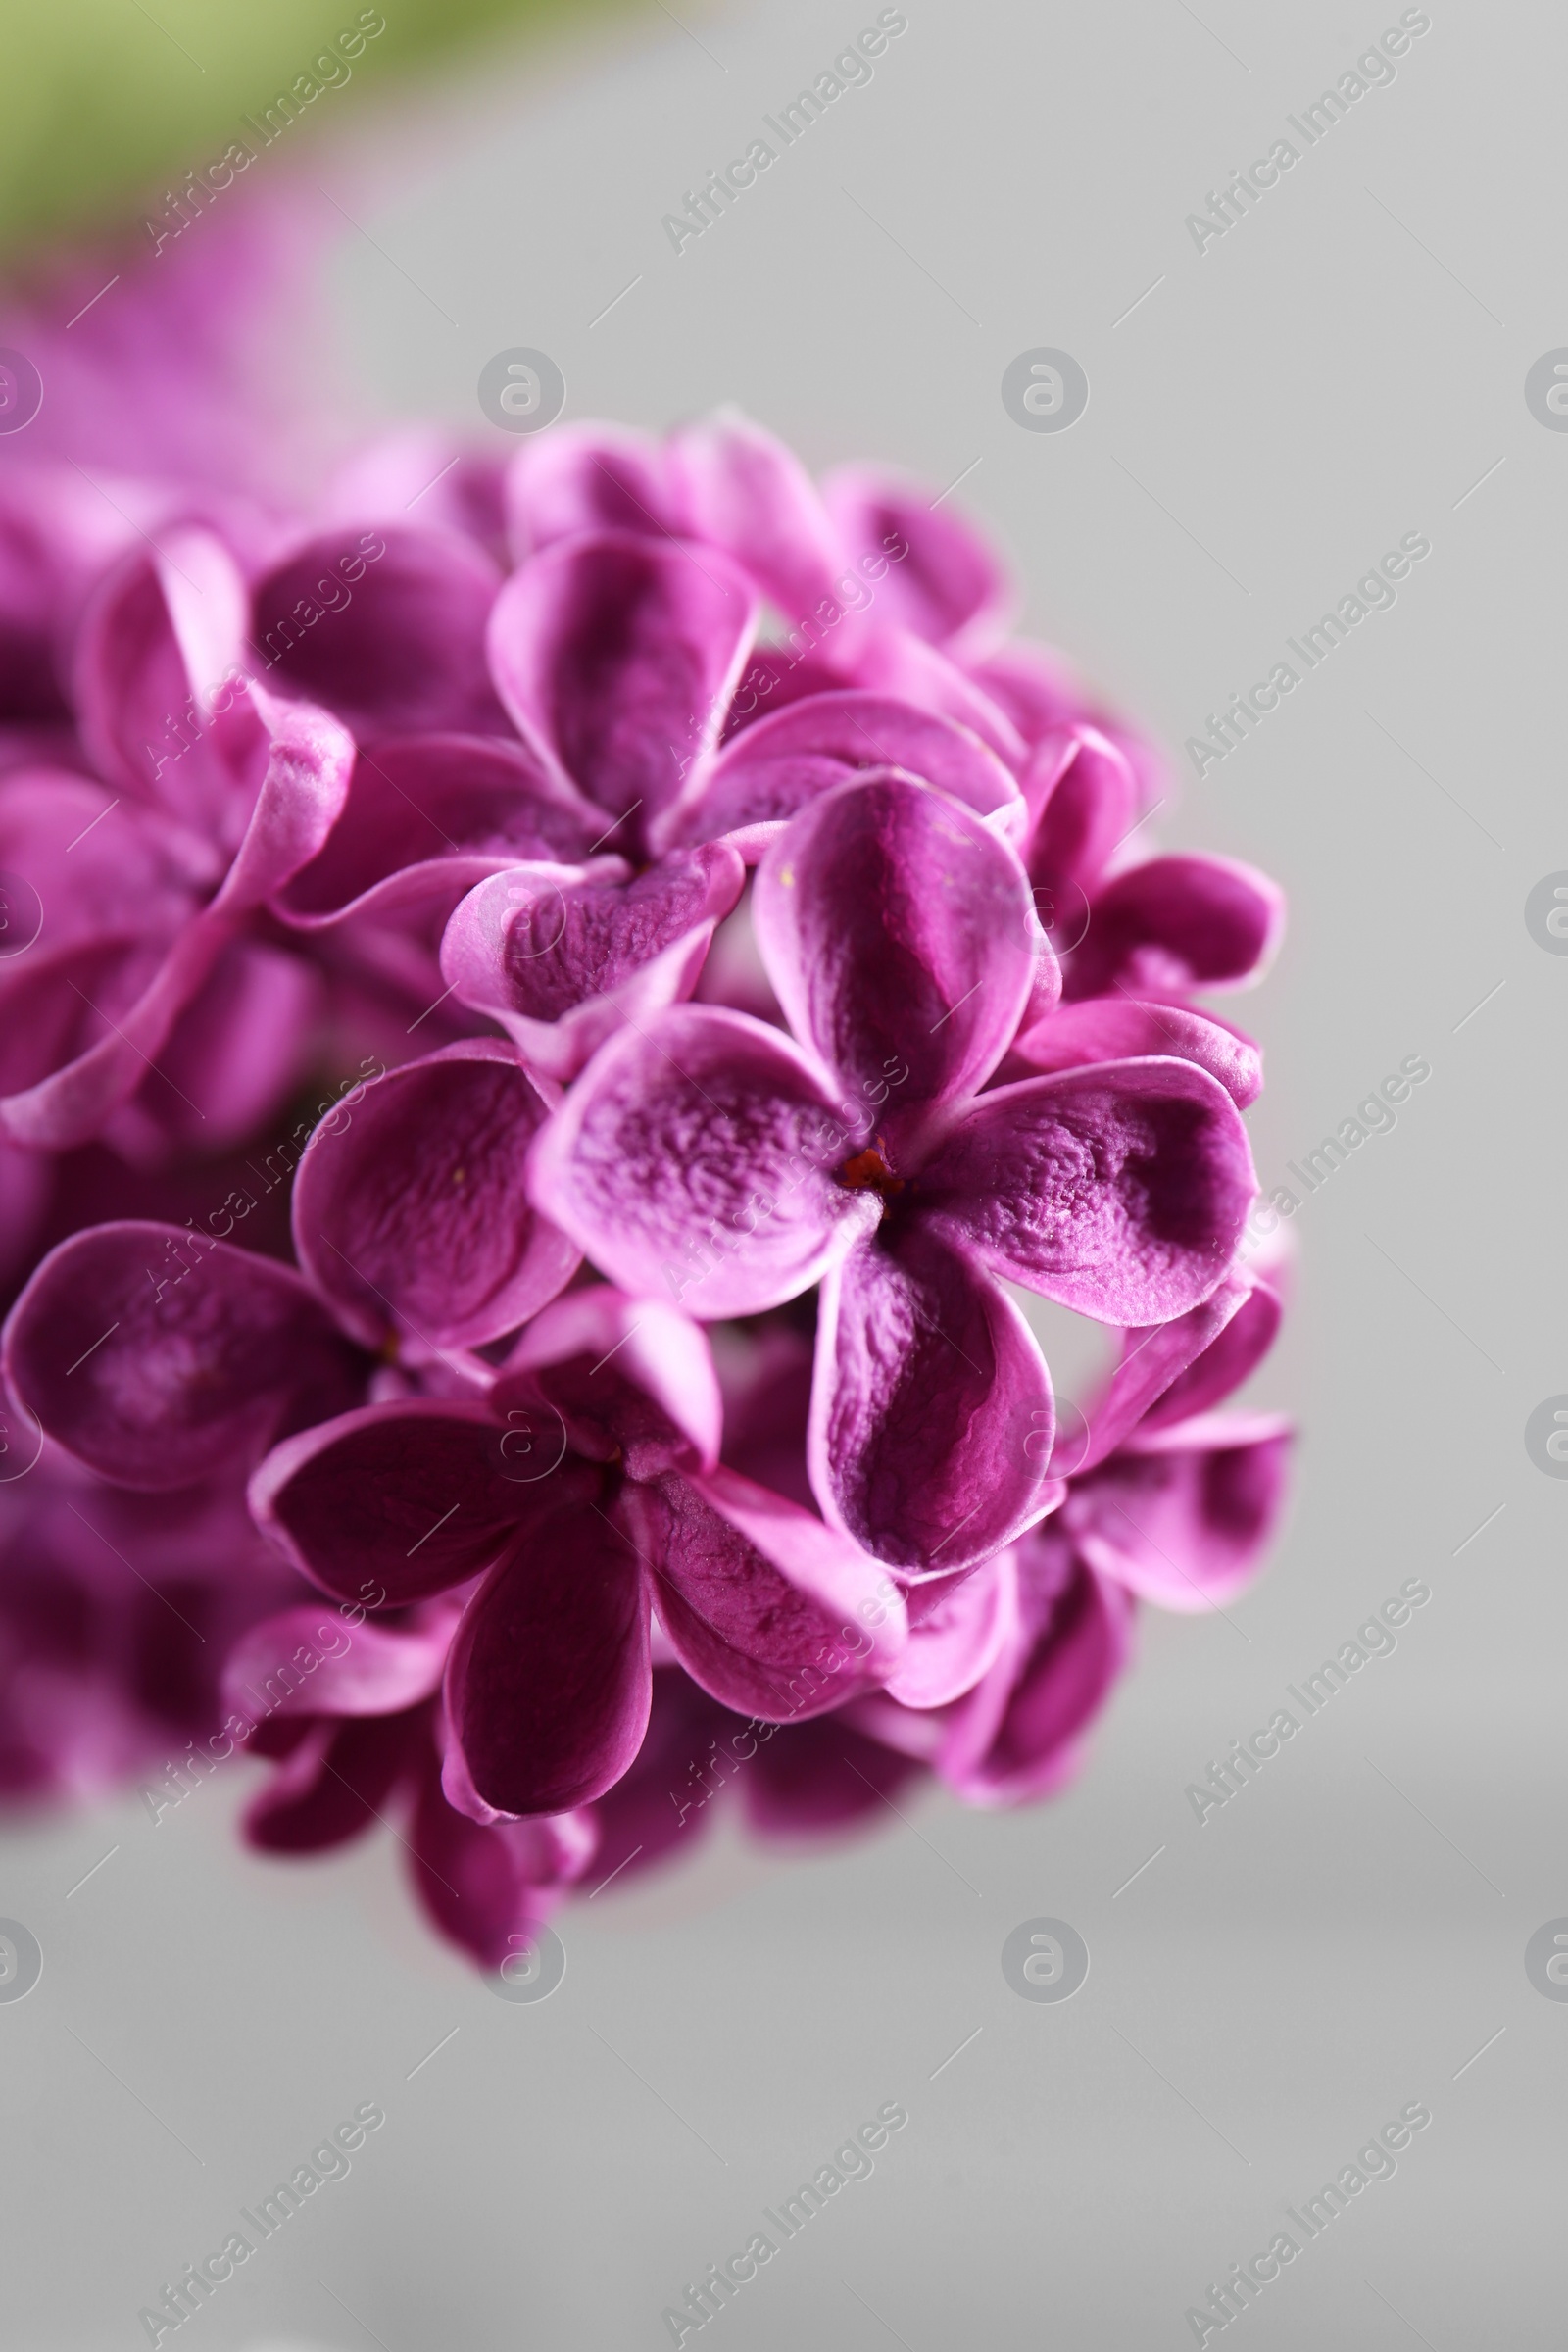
694	1160
770	770
769	1610
931	1410
619	655
898	935
549	1683
1174	924
1120	1190
154	1356
410	1210
537	945
1119	1028
630	1377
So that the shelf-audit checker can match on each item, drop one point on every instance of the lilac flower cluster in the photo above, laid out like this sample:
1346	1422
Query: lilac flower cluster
745	992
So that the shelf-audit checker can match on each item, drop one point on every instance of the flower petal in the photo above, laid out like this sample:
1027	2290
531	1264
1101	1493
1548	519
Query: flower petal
931	1411
429	816
587	477
618	655
333	1787
489	1889
632	1379
385	627
1122	1028
1120	1190
1174	924
1083	796
392	1502
1182	1515
769	1610
1015	1736
936	576
562	956
549	1681
959	1626
155	1356
410	1212
898	935
770	770
694	1158
742	490
308	1661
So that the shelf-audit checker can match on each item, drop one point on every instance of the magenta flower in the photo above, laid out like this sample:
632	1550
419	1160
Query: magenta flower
154	1354
548	1685
710	1156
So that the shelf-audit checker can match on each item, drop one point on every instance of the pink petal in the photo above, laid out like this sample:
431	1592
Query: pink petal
1120	1190
959	1626
334	1667
694	1160
942	581
587	477
898	935
770	1611
619	655
1181	1516
1122	1028
410	1212
632	1379
1174	924
385	627
155	1357
931	1411
742	490
564	957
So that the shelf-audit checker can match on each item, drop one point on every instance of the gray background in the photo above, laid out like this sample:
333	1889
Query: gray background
1338	370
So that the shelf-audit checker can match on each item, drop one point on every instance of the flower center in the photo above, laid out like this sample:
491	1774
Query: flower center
867	1171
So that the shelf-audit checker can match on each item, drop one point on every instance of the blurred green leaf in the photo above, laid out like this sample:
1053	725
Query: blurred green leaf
107	103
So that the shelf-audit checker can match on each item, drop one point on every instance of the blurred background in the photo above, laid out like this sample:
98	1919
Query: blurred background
1265	418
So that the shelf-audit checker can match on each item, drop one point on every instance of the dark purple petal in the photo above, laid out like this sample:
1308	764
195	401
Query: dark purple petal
231	1059
632	1379
1174	924
386	627
429	817
1016	1736
619	655
898	934
587	477
694	1159
564	957
1119	1028
548	1680
333	1785
1120	1190
768	1609
1182	1515
773	769
155	1357
1212	1372
393	1502
931	1411
825	1774
932	573
490	1890
410	1212
740	489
